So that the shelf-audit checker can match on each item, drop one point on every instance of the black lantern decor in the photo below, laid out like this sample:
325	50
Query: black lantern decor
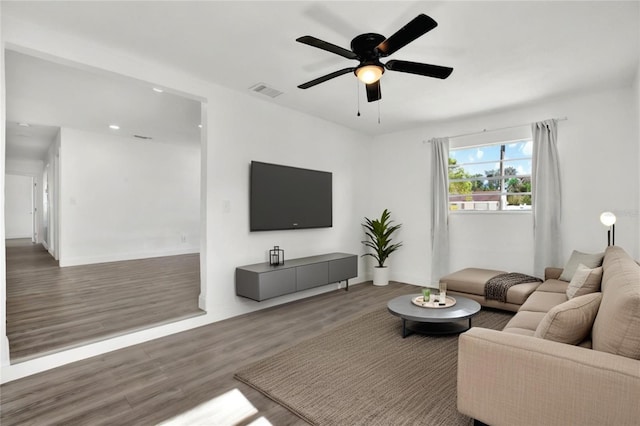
276	256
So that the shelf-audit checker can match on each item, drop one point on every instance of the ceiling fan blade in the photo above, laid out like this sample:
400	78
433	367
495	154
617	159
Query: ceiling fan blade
420	25
324	45
373	92
419	68
326	77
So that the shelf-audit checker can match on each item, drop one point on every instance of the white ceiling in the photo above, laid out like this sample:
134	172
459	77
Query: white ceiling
504	54
28	143
48	95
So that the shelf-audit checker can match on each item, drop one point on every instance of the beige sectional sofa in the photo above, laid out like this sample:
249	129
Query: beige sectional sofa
560	361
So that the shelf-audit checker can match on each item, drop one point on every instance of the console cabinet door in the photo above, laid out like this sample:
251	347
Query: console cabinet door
314	275
343	269
277	283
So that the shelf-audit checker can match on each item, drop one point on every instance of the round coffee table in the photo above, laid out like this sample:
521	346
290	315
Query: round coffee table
433	320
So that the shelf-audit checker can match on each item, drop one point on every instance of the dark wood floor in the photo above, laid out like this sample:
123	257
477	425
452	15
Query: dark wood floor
50	308
156	380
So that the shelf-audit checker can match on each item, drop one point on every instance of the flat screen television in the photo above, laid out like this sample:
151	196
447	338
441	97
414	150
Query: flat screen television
284	197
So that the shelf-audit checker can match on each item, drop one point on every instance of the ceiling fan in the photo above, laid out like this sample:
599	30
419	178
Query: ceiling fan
370	47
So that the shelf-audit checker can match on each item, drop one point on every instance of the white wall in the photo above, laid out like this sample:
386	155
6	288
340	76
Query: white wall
275	135
123	198
238	128
4	342
598	149
636	114
53	230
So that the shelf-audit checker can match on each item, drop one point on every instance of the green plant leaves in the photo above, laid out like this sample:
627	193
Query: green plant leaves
378	232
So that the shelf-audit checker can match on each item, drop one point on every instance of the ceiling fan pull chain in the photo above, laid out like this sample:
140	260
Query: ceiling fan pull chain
358	95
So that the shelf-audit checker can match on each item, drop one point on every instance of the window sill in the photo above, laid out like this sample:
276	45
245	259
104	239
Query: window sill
474	212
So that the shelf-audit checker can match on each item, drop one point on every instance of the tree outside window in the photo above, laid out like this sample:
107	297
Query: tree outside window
491	177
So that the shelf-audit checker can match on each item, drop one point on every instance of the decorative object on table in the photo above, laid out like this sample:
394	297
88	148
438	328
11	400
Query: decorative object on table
434	303
426	293
443	293
276	256
379	233
608	219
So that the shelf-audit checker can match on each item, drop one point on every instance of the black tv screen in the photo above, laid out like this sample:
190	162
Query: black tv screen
284	197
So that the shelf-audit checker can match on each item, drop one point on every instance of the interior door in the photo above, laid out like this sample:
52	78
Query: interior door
19	215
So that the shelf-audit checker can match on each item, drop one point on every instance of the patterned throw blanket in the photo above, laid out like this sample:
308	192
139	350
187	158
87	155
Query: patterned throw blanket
496	288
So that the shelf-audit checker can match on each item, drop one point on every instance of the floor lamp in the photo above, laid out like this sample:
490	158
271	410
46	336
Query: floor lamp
609	219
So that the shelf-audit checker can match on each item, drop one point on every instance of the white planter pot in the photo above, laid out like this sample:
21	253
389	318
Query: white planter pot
380	275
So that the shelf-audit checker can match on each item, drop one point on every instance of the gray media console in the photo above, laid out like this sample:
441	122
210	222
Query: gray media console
262	281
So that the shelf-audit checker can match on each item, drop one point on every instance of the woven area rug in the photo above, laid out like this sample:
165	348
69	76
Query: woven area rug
364	373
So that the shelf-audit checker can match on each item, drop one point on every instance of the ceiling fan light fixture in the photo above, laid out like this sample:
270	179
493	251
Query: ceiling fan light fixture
369	73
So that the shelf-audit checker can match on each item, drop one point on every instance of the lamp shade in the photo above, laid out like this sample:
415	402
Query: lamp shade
608	218
369	73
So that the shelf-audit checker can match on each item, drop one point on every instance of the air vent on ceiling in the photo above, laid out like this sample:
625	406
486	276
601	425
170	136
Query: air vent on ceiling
263	89
142	137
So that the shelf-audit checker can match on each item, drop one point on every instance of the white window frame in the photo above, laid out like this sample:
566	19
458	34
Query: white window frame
501	206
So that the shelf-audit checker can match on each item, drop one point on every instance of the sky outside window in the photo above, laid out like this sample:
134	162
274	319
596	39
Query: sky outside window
477	160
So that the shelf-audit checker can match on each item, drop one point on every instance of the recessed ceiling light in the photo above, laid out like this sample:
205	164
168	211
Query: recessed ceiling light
23	124
200	126
158	90
114	126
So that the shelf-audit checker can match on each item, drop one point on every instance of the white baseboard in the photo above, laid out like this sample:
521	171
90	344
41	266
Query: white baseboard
118	257
18	237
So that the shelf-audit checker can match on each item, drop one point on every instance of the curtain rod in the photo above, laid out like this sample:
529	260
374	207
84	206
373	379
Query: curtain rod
500	128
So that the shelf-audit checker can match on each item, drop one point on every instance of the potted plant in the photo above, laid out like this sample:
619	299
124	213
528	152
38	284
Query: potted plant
379	233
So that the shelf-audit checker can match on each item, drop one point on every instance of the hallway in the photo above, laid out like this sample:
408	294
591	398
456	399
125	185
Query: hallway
51	308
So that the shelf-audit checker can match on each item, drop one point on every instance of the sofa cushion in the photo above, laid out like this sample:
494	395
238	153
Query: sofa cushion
521	331
543	301
584	281
576	258
519	293
615	259
571	321
554	286
470	280
524	322
617	327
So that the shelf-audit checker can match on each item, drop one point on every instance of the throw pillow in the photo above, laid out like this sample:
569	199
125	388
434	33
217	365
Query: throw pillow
576	258
570	322
584	281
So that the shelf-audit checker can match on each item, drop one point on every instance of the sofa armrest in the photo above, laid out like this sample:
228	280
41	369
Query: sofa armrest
509	379
552	273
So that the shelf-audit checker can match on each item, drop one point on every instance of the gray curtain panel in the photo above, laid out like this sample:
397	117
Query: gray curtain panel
439	208
546	197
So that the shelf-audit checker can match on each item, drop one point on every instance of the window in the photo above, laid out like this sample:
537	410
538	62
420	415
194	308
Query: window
491	177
